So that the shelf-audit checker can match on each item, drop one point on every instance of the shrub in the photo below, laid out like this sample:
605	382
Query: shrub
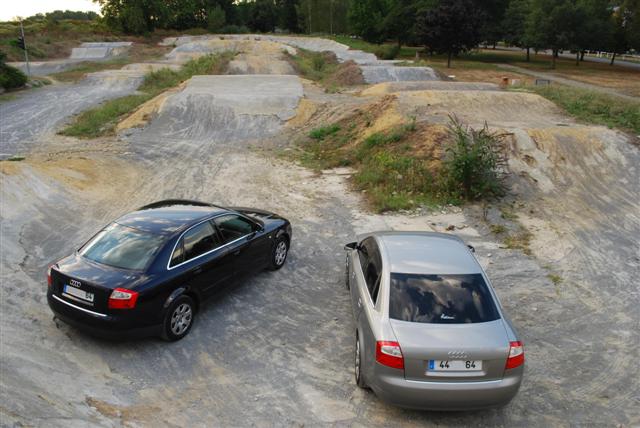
10	77
475	165
387	51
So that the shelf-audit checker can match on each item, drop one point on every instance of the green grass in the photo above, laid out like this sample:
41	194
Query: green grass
406	52
594	107
324	131
16	158
103	119
316	66
76	73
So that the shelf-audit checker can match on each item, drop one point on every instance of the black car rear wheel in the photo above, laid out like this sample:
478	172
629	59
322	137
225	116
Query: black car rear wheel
178	319
280	252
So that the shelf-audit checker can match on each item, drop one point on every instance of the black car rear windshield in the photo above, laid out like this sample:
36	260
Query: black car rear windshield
441	299
122	247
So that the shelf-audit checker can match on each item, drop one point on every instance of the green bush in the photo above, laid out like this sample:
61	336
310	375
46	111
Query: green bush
387	51
10	77
475	164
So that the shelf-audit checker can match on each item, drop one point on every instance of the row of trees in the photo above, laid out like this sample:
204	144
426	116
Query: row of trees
452	26
442	26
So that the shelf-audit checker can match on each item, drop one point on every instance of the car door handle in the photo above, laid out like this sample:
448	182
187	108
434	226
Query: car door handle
197	271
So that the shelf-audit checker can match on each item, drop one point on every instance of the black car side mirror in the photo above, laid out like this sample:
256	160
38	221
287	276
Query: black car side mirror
351	246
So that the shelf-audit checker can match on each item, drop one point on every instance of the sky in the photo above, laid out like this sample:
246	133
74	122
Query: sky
9	9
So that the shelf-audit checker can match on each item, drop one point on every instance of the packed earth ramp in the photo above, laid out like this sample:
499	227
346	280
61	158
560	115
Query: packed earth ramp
278	348
89	51
373	70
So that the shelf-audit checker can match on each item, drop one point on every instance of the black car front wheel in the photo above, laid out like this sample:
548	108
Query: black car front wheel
178	319
279	254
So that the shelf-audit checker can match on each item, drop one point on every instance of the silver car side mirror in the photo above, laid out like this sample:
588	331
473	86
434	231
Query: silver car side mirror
351	246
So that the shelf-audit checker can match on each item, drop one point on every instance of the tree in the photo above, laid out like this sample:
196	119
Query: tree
514	24
399	22
367	19
450	28
494	14
594	29
263	16
288	15
135	16
216	18
553	24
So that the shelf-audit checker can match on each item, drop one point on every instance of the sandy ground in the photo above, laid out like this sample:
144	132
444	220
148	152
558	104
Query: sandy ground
277	349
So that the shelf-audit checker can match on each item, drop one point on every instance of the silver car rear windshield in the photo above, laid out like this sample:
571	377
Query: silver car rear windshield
441	299
122	247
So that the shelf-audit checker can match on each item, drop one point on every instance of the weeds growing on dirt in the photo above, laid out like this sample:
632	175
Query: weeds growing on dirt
324	68
324	131
519	241
102	119
556	279
395	171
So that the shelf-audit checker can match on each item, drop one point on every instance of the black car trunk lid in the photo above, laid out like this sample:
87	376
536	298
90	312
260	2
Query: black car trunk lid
89	284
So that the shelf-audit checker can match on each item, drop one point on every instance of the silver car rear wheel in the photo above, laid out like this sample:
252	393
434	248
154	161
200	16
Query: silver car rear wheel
358	364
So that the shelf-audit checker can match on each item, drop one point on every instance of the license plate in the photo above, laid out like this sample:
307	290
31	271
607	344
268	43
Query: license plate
455	365
80	294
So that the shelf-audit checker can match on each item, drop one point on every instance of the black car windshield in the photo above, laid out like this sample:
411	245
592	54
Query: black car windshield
122	247
441	299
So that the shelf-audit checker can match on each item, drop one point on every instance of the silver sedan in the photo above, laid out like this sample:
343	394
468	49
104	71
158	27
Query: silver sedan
431	333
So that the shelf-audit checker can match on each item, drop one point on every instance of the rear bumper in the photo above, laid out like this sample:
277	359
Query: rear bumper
454	396
125	326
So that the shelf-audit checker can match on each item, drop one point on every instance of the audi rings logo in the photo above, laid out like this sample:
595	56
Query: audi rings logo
457	355
75	283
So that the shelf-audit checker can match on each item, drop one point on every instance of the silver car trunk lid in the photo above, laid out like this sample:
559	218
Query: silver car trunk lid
422	343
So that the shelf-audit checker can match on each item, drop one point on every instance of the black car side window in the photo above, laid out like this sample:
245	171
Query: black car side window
178	255
233	226
199	240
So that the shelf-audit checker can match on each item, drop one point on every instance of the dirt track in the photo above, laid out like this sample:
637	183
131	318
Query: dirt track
277	349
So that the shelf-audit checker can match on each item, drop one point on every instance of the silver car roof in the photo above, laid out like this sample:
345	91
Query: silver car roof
426	253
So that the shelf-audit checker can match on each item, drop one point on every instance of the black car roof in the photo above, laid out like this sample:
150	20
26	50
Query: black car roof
169	216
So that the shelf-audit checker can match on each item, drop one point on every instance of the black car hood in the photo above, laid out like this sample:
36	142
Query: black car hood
97	274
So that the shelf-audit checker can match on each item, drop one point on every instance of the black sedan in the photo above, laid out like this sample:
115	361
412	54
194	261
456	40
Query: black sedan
148	272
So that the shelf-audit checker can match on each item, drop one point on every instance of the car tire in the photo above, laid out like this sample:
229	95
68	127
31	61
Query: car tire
178	319
358	364
279	253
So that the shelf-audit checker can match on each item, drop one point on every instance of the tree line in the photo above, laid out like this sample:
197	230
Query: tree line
441	26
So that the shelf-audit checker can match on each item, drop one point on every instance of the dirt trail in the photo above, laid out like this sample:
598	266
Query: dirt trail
277	349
